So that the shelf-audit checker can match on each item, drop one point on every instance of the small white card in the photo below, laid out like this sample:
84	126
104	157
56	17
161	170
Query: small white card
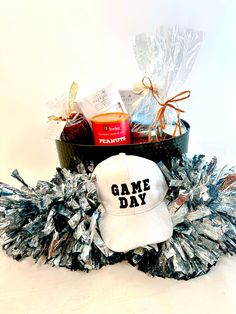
100	101
128	98
54	129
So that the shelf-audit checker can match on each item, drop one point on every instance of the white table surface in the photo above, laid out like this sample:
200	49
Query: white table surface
26	287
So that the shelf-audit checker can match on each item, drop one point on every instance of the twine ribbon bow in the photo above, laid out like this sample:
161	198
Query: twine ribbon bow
147	86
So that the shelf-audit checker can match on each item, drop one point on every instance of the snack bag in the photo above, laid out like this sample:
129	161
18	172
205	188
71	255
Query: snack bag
100	101
70	126
77	130
165	59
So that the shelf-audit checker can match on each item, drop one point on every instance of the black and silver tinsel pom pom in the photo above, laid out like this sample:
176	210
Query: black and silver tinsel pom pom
202	202
56	220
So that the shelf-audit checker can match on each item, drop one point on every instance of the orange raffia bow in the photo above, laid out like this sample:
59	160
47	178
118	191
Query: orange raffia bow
168	103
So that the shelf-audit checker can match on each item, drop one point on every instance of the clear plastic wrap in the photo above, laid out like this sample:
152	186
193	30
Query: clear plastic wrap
68	125
77	130
165	58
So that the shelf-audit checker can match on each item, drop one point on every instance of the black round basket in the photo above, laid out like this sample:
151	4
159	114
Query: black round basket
70	153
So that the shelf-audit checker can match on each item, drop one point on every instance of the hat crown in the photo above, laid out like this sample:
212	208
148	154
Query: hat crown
129	185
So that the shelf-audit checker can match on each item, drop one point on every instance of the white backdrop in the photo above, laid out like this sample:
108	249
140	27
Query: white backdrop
45	45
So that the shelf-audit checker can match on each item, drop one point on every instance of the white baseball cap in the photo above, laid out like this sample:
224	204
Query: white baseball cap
131	190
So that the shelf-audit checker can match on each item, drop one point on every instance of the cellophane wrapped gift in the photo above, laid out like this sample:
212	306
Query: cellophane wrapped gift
76	128
165	59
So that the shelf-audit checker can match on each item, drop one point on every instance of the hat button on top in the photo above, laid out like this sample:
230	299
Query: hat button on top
122	154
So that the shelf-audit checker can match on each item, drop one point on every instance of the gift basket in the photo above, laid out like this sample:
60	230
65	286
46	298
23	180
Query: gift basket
69	153
144	121
172	218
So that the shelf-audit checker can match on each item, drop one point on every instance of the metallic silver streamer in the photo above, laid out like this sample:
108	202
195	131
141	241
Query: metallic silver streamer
202	202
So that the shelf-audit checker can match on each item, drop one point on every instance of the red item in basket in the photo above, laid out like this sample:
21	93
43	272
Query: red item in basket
77	130
111	129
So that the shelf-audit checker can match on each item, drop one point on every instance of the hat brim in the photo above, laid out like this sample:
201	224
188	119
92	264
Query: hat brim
124	233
